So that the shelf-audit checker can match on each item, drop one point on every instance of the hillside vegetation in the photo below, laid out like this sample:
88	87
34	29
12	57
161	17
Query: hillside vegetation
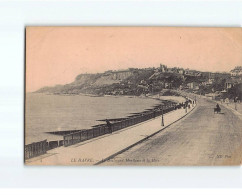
134	82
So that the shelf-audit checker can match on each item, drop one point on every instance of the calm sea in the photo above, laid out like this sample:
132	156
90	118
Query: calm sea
45	113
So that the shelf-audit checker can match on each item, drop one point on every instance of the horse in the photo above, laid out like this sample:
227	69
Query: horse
217	109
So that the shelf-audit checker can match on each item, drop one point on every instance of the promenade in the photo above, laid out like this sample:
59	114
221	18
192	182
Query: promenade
232	106
96	150
201	138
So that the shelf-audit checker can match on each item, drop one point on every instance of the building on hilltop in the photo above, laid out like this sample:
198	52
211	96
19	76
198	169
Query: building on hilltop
163	68
189	72
170	70
180	71
193	85
213	96
237	71
229	83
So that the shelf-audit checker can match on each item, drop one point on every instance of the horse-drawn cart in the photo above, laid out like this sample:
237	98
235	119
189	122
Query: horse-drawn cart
217	110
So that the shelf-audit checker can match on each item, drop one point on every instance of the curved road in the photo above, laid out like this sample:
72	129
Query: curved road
201	138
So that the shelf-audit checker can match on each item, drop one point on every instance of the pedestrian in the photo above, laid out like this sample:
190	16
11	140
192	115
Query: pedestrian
184	105
227	101
218	107
109	126
154	111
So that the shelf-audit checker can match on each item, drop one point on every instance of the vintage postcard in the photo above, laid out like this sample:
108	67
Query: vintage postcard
136	96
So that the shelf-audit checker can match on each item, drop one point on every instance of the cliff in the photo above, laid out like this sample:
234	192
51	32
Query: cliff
89	83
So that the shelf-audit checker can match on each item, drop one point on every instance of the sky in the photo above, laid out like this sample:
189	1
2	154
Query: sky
56	55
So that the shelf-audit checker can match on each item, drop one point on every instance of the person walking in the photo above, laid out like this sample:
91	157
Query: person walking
154	113
109	126
218	108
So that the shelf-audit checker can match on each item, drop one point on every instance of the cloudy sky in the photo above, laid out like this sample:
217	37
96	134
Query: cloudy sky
56	55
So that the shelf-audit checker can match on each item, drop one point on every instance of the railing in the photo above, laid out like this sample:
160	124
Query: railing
35	149
84	135
39	148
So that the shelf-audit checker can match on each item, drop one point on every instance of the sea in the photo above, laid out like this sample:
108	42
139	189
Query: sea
47	113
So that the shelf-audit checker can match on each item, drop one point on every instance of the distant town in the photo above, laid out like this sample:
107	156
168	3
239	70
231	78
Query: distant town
154	80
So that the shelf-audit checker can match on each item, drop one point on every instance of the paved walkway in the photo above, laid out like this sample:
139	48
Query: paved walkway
201	138
94	151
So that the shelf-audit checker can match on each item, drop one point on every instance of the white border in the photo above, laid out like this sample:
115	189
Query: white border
15	15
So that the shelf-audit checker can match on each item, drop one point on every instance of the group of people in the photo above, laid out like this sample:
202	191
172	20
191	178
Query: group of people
184	104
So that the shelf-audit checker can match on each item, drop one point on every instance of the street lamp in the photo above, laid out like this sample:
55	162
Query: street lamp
162	117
